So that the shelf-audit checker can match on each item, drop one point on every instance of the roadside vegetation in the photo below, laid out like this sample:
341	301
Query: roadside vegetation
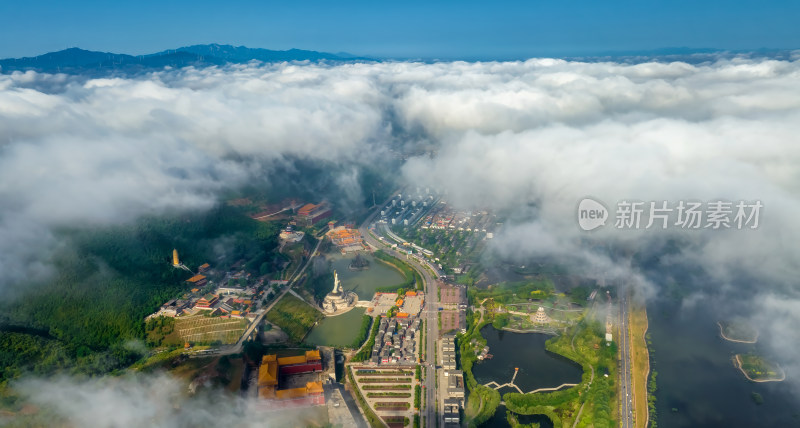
363	331
373	419
412	279
366	350
640	360
652	385
482	401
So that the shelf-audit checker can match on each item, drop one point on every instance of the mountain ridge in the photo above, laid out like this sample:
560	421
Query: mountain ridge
76	60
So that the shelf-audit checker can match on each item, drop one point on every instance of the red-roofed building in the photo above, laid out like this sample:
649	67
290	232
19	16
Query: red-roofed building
311	213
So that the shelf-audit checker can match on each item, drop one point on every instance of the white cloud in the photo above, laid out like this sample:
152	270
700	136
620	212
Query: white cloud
542	133
147	400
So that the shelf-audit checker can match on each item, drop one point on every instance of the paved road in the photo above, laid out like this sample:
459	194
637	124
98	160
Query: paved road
429	314
626	386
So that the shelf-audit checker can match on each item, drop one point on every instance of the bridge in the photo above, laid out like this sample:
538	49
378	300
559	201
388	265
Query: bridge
494	385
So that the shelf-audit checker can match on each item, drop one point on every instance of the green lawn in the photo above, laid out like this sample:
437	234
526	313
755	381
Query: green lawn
294	316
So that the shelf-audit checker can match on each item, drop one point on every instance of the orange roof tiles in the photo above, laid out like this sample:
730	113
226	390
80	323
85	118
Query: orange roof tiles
284	361
306	209
267	392
314	387
196	278
310	388
268	373
284	394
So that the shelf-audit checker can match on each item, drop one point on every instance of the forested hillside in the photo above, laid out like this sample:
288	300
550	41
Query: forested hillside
89	317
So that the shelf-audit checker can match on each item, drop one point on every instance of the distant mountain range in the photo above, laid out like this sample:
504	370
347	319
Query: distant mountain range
92	63
78	61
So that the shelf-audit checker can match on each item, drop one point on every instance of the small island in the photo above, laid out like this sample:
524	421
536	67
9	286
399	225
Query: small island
359	263
738	331
758	369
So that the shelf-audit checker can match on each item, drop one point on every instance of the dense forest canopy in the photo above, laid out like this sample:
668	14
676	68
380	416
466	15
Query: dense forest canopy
90	315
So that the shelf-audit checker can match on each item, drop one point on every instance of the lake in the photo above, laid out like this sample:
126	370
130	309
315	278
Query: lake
538	368
338	331
365	282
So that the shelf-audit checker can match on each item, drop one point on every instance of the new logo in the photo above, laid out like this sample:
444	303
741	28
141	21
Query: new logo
591	214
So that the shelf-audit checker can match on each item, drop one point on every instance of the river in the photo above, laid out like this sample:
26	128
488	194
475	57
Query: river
697	379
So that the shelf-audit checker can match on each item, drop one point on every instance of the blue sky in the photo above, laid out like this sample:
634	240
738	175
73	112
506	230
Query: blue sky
409	29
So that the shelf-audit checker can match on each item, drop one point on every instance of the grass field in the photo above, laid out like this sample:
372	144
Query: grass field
295	254
640	362
203	329
294	316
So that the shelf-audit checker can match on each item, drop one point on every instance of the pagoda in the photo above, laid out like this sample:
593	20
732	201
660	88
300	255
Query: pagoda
540	317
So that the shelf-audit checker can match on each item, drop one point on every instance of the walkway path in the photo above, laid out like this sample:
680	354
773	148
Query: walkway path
494	385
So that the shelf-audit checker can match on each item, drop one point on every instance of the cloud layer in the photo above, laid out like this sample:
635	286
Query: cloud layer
149	400
529	139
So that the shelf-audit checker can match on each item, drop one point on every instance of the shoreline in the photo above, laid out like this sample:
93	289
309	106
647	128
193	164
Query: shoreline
738	364
341	312
722	333
514	330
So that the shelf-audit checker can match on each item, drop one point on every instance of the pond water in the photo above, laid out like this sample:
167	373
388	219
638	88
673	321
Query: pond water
364	282
340	330
697	382
499	419
538	368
